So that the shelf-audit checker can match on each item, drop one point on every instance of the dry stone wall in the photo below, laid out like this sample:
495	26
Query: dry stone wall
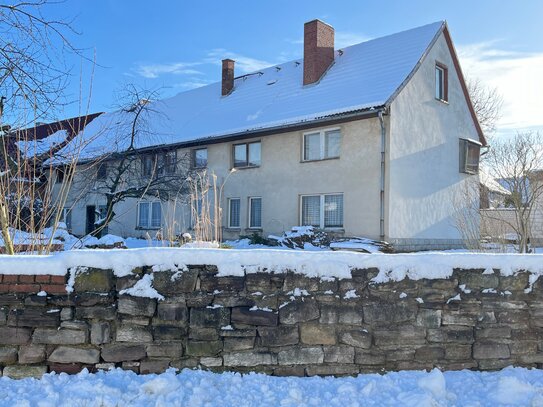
281	324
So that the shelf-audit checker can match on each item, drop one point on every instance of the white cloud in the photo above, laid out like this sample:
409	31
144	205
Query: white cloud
516	76
244	63
178	68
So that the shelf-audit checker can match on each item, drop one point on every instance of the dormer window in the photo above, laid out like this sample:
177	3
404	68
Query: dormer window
442	83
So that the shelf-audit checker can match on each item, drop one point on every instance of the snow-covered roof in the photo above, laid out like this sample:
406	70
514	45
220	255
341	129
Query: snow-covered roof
492	184
362	77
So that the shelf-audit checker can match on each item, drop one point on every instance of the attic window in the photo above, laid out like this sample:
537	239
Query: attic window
442	82
469	156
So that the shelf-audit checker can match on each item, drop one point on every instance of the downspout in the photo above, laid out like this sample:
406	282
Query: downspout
382	176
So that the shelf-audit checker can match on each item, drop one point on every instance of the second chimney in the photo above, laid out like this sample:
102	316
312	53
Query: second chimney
318	50
227	76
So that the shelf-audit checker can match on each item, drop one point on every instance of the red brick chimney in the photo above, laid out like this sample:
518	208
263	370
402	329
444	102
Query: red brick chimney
318	50
227	76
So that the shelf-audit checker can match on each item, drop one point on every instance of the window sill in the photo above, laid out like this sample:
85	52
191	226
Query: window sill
229	229
148	228
246	167
319	159
445	102
253	229
198	168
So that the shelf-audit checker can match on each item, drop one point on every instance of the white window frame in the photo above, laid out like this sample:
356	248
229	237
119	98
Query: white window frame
250	212
194	151
322	144
247	153
149	225
321	210
442	96
230	226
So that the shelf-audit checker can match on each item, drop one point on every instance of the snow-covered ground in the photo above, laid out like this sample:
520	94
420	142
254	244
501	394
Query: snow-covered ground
509	387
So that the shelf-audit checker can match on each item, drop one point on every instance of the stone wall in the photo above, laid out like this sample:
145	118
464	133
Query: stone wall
282	324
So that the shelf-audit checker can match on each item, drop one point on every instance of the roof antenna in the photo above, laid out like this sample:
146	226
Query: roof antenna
340	52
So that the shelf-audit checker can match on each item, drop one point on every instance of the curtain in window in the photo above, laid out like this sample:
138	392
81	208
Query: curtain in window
254	154
156	215
332	143
143	220
312	146
311	210
234	215
256	213
333	211
240	155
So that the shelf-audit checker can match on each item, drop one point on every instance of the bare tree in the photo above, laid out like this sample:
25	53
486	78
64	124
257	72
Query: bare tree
487	103
517	163
132	171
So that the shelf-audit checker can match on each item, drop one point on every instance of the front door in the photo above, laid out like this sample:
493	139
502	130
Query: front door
91	218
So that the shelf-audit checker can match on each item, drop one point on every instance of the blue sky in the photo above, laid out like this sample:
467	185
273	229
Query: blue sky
173	46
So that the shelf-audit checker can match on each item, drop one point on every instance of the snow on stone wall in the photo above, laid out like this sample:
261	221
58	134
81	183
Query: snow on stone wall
175	313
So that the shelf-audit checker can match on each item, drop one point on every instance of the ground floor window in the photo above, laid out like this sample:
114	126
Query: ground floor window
66	217
149	215
255	212
234	212
322	210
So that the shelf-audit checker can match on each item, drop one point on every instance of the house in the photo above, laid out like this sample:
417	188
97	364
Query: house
371	140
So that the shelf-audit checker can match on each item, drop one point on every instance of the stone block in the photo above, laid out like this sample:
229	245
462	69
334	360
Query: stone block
203	348
238	332
165	350
172	311
400	354
518	282
333	370
77	325
301	356
358	338
170	283
31	354
495	332
137	306
132	366
315	334
8	355
209	317
451	333
399	336
167	333
294	280
283	335
376	313
204	334
458	318
369	358
429	318
66	354
93	280
133	333
249	359
156	366
231	301
23	371
66	313
14	336
351	315
457	352
299	311
491	351
49	336
297	371
338	354
103	313
211	362
476	280
34	317
90	299
120	352
100	333
329	314
244	315
228	283
429	353
494	364
235	344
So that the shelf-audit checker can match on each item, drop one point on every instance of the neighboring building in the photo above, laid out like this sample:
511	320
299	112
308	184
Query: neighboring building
373	140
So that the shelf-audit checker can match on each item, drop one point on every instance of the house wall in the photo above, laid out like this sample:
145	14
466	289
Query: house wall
425	187
280	181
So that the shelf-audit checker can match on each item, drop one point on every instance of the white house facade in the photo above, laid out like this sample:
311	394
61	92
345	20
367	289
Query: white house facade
375	140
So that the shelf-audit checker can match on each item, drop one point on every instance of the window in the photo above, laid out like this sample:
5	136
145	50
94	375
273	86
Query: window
149	215
322	211
199	158
148	164
101	172
441	82
66	218
469	156
169	162
60	175
322	145
101	214
247	154
234	212
255	213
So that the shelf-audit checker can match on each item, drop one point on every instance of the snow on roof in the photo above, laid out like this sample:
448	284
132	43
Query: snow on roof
491	184
363	76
